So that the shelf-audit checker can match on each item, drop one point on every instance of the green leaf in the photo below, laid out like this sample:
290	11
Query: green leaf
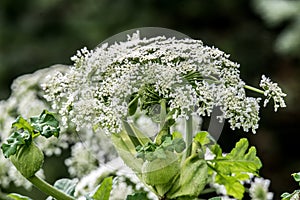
103	191
66	185
46	124
192	179
233	168
239	160
16	196
176	134
286	196
151	151
14	142
22	123
137	196
232	185
202	138
179	145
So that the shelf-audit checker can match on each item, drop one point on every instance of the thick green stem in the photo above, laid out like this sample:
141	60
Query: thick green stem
49	189
189	135
163	113
254	89
164	128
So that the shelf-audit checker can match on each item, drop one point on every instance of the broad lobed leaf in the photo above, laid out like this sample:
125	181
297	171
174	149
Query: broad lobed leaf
235	167
24	131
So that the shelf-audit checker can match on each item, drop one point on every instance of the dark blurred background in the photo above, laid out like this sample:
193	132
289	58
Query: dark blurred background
35	34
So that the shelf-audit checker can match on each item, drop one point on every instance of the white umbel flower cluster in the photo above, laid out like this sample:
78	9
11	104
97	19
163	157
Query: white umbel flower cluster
192	77
272	90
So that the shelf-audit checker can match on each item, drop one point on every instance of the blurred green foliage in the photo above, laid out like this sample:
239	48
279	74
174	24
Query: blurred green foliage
287	14
38	33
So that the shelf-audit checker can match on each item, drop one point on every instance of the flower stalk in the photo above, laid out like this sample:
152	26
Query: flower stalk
254	89
48	189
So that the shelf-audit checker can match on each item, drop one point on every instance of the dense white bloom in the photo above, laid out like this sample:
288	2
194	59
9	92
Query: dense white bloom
193	78
4	178
272	90
259	189
81	162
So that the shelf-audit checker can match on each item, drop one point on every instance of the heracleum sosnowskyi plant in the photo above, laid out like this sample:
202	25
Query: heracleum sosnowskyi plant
166	80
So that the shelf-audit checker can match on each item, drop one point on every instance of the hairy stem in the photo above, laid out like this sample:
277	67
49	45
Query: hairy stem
49	189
